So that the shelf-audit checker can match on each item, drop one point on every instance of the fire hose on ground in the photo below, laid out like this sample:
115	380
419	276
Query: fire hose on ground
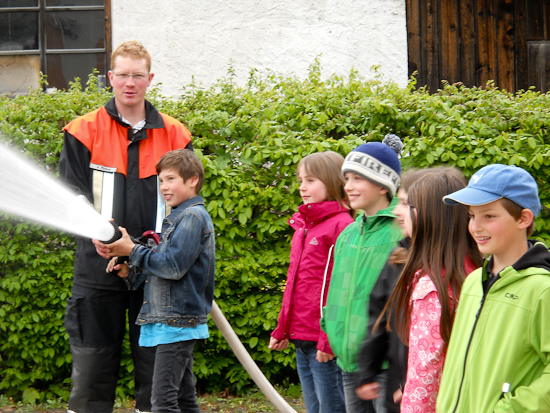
247	362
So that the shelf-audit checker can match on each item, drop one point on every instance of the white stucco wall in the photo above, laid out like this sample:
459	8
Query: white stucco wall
202	38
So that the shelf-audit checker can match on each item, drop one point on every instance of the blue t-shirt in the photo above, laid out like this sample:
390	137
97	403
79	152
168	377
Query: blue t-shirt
151	335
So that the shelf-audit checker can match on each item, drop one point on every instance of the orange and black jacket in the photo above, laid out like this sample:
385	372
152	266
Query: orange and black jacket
104	160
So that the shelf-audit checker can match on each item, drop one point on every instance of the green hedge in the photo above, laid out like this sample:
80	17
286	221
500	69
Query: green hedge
250	139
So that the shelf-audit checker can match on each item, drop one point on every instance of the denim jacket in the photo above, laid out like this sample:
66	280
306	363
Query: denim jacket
179	274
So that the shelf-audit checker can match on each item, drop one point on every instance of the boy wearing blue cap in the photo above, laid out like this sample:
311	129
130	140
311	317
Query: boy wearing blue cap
499	353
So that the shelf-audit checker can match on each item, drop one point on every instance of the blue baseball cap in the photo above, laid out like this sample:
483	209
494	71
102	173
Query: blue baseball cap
497	181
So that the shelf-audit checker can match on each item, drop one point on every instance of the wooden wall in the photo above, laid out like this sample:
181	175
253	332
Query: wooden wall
474	41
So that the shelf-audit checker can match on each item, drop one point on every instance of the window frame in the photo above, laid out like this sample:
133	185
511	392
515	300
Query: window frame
43	52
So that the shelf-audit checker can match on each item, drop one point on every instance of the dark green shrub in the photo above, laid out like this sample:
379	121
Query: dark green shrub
250	139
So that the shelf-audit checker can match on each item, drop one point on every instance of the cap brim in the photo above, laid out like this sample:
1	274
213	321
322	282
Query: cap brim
470	196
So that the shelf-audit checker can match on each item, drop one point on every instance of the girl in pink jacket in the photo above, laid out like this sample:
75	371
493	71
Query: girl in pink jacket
441	255
317	223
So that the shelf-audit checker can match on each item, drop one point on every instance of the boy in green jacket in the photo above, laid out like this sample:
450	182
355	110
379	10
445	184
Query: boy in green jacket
499	352
372	172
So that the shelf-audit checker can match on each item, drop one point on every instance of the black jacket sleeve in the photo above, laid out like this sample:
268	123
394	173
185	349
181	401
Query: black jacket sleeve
74	166
375	345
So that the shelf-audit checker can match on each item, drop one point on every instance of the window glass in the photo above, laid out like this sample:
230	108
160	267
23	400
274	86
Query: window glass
18	3
75	30
50	3
19	31
63	69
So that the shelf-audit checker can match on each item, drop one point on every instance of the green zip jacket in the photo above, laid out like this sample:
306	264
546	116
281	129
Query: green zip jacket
502	336
360	253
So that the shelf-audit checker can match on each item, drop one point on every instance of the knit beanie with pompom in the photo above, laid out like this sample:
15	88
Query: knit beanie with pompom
379	162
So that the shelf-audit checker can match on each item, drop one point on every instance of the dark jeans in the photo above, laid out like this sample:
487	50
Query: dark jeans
321	382
353	403
96	323
173	380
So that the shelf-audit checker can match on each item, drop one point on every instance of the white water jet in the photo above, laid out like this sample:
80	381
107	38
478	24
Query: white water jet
30	192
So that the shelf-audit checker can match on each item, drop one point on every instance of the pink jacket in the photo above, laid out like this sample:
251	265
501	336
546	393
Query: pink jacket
426	355
317	227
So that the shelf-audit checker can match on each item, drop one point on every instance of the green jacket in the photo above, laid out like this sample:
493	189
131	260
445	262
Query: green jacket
502	336
360	253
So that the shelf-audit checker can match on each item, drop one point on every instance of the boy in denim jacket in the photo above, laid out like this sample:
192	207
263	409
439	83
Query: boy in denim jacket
179	281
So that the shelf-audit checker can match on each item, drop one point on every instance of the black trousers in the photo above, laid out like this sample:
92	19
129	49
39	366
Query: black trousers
96	323
174	382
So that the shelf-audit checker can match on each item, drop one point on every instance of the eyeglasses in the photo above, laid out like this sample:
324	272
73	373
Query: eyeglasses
138	77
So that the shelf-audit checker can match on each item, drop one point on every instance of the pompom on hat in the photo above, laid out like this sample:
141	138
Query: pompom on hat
379	162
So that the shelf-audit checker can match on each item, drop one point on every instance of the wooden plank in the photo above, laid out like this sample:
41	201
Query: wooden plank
532	56
504	67
520	54
414	38
533	75
433	72
539	64
423	21
449	41
535	19
485	22
108	35
468	46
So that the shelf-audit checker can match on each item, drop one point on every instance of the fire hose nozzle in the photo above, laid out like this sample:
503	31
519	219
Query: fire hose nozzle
117	234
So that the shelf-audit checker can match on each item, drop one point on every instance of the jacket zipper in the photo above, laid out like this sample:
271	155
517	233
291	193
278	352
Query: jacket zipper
350	298
289	320
482	303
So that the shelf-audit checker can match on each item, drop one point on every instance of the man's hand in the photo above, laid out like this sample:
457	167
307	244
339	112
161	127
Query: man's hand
101	248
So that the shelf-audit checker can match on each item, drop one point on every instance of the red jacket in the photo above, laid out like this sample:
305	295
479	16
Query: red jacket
317	227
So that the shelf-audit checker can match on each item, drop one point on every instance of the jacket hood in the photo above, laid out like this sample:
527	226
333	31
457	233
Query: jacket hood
372	222
312	214
537	256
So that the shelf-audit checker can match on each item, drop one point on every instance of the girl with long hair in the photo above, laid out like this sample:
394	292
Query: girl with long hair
442	253
380	344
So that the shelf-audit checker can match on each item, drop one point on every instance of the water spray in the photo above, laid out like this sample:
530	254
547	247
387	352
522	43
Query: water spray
30	192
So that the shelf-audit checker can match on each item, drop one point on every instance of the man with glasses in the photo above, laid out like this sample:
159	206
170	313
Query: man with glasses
109	156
